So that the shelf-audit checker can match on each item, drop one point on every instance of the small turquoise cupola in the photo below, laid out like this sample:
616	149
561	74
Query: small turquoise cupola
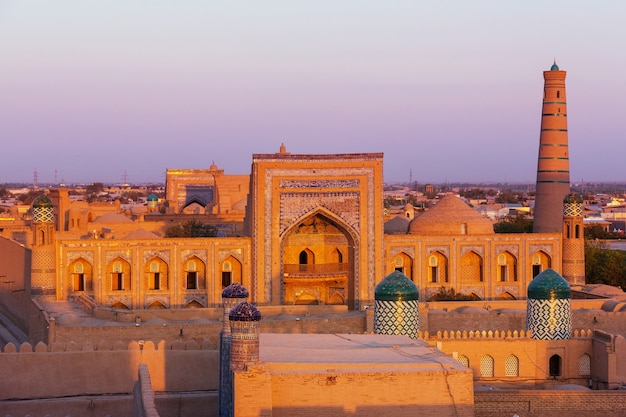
396	308
548	311
43	210
554	67
153	203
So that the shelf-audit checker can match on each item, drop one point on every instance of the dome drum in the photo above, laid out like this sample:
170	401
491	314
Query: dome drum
396	308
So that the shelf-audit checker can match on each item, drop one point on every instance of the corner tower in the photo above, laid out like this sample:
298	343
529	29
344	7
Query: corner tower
573	240
553	165
43	270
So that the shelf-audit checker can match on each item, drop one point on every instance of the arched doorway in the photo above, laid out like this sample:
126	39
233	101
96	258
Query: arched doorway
318	262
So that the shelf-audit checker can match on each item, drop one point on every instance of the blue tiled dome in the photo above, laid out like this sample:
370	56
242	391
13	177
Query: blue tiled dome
244	312
152	197
554	67
549	285
396	287
235	290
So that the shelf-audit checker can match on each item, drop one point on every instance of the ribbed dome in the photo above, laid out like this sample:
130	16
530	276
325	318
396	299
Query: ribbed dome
451	216
43	201
549	285
244	312
152	197
396	287
554	67
235	290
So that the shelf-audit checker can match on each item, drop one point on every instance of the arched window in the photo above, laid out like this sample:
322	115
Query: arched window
79	277
507	267
486	366
511	366
231	271
577	231
227	274
584	365
567	231
157	274
558	94
540	261
438	268
471	268
399	262
194	274
155	281
120	276
555	365
463	360
339	256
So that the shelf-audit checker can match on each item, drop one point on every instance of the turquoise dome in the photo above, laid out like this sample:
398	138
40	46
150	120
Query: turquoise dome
549	285
153	197
43	201
244	312
554	67
396	287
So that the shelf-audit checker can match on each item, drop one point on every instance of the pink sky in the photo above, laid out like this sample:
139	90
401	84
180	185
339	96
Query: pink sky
451	92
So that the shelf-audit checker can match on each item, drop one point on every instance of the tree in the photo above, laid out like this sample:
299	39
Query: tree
604	265
191	228
517	224
448	294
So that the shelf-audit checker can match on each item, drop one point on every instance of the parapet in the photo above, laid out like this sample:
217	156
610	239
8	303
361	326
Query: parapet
491	334
107	345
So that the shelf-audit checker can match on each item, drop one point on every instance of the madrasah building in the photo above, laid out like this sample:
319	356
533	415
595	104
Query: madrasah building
307	229
308	232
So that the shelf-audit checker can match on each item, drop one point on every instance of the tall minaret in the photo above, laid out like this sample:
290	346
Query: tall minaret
553	166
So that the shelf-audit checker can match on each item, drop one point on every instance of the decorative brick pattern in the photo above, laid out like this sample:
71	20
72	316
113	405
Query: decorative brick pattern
293	206
396	317
549	319
320	183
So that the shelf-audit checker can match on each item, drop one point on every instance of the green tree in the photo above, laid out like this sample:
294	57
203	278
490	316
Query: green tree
604	265
516	224
191	228
448	294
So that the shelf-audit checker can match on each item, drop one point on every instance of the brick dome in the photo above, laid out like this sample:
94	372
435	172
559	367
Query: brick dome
451	216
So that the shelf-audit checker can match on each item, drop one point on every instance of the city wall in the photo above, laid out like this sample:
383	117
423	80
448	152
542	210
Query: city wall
69	370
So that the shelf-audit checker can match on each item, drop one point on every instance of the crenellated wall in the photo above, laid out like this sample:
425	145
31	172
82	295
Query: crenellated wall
72	369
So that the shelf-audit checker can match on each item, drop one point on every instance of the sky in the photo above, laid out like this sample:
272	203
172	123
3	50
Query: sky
449	91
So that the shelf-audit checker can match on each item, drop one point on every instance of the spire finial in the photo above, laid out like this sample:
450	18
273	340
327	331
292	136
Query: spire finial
554	67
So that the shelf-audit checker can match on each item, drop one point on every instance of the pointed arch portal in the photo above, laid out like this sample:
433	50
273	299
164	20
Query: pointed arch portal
318	255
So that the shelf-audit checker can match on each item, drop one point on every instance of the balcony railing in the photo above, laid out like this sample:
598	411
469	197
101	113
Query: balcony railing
315	269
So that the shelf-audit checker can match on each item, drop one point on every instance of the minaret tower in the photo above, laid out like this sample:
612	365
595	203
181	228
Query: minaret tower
573	240
553	166
43	270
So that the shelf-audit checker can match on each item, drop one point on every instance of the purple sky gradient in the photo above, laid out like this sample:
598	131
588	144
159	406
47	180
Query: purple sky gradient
450	90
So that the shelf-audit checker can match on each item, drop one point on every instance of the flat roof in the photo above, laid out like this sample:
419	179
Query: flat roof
351	352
